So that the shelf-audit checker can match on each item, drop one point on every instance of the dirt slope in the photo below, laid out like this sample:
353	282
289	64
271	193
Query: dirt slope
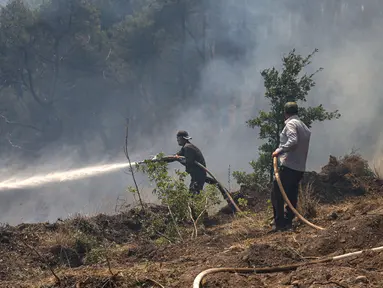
236	243
108	251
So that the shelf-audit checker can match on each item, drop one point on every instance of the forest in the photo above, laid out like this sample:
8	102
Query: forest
72	72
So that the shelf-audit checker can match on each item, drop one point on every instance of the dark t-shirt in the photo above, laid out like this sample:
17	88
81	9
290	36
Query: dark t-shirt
191	154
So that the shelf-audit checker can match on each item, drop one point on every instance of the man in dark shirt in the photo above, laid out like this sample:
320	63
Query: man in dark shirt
192	154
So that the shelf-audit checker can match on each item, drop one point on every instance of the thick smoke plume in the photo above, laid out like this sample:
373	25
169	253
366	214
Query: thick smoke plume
347	34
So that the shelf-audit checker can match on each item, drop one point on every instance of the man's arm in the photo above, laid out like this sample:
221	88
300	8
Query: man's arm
292	139
180	153
174	157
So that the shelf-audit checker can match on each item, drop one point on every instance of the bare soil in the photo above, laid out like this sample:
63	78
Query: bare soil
110	251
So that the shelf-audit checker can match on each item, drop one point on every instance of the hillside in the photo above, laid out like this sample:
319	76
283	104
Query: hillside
112	251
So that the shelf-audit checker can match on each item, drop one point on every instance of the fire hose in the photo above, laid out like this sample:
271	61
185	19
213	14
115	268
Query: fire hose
283	192
198	279
225	193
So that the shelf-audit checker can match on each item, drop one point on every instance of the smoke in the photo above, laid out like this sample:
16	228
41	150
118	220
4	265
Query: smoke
347	36
346	32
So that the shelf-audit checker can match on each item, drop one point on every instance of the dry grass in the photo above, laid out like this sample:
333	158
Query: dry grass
60	237
355	164
307	202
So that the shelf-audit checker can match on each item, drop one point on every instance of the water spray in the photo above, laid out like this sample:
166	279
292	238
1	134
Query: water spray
62	176
77	174
65	176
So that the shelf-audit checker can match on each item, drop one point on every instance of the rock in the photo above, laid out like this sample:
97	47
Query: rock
332	216
361	279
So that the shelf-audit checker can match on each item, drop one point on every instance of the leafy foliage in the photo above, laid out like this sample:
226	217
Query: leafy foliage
78	58
257	179
281	87
174	194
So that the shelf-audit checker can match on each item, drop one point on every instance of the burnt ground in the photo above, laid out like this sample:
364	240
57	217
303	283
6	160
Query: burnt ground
110	251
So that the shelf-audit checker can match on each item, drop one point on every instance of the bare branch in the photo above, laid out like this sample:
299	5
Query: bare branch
56	69
195	42
109	266
194	223
113	276
203	211
12	144
163	235
130	164
31	83
19	124
110	52
43	260
175	223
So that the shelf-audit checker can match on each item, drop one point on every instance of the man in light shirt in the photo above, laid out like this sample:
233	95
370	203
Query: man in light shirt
292	153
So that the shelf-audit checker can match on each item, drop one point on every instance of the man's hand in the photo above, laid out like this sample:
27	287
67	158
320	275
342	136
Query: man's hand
180	159
275	153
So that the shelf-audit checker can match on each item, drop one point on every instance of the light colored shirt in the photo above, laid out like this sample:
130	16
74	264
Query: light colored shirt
294	144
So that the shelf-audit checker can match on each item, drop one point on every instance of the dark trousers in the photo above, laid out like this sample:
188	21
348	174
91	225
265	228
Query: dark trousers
196	184
195	187
290	180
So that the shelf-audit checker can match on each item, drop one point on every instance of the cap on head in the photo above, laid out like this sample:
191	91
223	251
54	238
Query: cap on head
291	108
183	134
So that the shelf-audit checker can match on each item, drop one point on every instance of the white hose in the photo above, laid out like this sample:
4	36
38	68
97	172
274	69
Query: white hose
200	276
376	249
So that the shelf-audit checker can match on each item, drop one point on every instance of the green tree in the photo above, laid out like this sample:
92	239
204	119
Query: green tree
42	53
281	87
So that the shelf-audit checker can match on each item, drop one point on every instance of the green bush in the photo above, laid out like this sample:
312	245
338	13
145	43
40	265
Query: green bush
175	195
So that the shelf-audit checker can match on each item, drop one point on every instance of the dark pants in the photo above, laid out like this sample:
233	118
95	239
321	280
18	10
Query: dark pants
196	184
290	181
195	187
